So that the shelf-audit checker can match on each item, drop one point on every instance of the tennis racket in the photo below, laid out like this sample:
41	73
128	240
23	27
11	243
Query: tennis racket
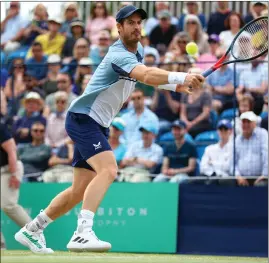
250	43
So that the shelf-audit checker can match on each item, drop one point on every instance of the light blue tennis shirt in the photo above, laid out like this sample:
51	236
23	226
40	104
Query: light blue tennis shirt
110	85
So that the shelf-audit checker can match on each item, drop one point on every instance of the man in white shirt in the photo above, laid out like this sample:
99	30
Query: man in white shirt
216	159
142	156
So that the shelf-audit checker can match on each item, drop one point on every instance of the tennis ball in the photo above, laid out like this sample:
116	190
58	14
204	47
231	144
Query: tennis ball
257	39
192	48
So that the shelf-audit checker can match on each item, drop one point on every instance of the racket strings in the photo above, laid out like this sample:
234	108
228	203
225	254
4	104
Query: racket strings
252	41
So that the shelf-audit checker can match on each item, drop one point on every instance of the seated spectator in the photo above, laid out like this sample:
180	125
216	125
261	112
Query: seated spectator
161	36
53	41
35	155
70	14
81	50
85	82
38	26
192	8
99	51
56	122
216	160
166	105
77	31
246	103
193	27
11	26
37	64
15	86
21	128
84	68
254	81
203	60
137	117
216	20
60	170
179	157
179	43
233	23
255	10
251	156
116	130
221	85
54	67
148	49
99	20
153	21
195	111
142	156
64	83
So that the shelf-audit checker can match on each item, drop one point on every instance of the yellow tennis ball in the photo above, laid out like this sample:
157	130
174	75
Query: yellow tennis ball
192	48
257	39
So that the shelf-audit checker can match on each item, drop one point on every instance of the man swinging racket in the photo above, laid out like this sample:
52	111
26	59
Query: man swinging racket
87	124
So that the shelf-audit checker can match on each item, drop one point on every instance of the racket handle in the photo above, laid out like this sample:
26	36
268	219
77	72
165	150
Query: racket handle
208	72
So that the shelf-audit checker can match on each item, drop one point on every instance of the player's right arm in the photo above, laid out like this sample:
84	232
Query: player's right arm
156	77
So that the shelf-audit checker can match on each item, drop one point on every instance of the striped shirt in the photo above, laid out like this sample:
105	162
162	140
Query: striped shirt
251	157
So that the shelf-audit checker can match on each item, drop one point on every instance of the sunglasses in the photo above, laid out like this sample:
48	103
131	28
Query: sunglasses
18	66
61	101
71	9
84	46
61	81
191	23
38	130
136	98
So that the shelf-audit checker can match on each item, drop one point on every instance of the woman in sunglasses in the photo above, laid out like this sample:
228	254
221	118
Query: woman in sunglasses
193	27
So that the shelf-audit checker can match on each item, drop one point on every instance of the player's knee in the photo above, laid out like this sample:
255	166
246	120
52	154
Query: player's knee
110	172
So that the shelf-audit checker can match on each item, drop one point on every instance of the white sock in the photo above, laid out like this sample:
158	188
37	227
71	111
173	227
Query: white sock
85	220
40	222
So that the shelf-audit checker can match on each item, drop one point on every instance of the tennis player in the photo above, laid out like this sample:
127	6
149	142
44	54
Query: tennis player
87	123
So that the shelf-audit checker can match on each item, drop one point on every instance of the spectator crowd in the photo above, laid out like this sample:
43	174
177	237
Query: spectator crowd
46	62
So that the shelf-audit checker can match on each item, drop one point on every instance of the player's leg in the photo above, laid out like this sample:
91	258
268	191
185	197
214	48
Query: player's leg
84	238
32	234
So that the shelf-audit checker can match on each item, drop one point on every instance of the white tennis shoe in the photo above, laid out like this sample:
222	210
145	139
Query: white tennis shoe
35	241
87	241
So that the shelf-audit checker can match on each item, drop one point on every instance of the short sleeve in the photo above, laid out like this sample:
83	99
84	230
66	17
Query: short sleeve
157	155
5	135
193	153
206	100
124	62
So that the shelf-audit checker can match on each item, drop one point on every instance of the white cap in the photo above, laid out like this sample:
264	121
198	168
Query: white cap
85	62
55	19
249	115
53	59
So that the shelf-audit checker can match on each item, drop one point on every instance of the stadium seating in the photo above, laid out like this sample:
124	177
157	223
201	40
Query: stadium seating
204	139
168	137
228	114
214	119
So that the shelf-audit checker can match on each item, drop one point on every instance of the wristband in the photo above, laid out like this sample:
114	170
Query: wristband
176	77
171	87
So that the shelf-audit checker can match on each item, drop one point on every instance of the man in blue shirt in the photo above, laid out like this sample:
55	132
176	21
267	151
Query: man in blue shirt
179	157
37	64
137	117
87	123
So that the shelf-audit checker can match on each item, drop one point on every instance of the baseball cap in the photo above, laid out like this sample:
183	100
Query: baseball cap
55	19
213	38
118	123
164	14
224	124
248	115
77	22
54	59
128	10
179	124
149	127
85	62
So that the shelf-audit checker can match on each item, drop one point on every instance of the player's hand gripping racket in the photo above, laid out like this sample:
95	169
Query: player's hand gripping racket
250	43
